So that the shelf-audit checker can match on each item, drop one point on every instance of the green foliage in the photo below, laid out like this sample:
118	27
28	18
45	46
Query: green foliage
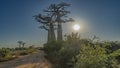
75	52
96	57
11	53
53	46
52	49
8	57
3	52
60	53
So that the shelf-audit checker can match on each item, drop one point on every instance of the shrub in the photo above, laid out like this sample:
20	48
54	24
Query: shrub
96	57
75	52
52	49
3	52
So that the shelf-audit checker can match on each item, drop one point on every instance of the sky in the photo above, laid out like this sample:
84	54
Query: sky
96	17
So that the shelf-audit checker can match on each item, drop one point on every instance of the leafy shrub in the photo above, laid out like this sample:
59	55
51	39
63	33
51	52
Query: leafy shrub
8	57
75	52
3	52
96	57
11	53
52	49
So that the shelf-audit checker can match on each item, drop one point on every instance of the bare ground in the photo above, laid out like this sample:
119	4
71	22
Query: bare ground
35	60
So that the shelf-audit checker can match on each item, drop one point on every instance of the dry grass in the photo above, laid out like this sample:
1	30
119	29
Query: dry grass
35	60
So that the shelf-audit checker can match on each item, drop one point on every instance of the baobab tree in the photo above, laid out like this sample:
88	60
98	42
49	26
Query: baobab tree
60	15
23	44
20	43
56	14
47	23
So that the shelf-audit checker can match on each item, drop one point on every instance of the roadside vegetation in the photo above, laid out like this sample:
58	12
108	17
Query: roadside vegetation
76	52
12	53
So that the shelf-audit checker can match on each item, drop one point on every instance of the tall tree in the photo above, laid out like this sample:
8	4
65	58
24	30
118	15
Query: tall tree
47	23
60	15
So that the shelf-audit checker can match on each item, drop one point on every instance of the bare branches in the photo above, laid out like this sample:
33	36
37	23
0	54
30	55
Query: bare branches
67	20
57	8
44	27
54	14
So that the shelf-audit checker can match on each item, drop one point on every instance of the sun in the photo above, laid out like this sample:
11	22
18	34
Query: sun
76	27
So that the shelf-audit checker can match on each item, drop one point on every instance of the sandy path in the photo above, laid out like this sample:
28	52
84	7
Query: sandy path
35	60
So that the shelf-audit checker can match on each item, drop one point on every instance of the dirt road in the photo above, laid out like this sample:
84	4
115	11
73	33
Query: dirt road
35	60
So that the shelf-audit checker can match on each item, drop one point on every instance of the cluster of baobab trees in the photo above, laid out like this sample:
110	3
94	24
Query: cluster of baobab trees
52	20
21	44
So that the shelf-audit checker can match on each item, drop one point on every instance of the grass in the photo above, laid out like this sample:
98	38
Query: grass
10	54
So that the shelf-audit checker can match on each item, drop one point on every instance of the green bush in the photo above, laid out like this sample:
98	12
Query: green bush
3	52
8	57
96	57
75	52
52	49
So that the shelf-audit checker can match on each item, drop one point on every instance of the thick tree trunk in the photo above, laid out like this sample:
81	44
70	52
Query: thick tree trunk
53	38
49	36
51	33
59	30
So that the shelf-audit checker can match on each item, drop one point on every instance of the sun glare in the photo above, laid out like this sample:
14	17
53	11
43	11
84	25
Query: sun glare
76	27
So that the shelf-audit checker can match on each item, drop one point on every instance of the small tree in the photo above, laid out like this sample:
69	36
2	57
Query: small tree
20	43
23	44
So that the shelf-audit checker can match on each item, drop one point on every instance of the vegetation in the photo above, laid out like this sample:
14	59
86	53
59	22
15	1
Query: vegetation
75	52
12	53
4	54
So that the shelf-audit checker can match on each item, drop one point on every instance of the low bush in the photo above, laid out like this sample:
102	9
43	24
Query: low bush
23	53
5	55
96	57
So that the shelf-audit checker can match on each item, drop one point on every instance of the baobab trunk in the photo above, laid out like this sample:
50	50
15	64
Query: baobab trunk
52	32
59	30
49	36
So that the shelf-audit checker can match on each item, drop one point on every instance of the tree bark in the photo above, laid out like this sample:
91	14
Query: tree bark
49	36
59	30
52	32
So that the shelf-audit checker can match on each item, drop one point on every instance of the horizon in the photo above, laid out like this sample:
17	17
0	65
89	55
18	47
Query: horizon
100	18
